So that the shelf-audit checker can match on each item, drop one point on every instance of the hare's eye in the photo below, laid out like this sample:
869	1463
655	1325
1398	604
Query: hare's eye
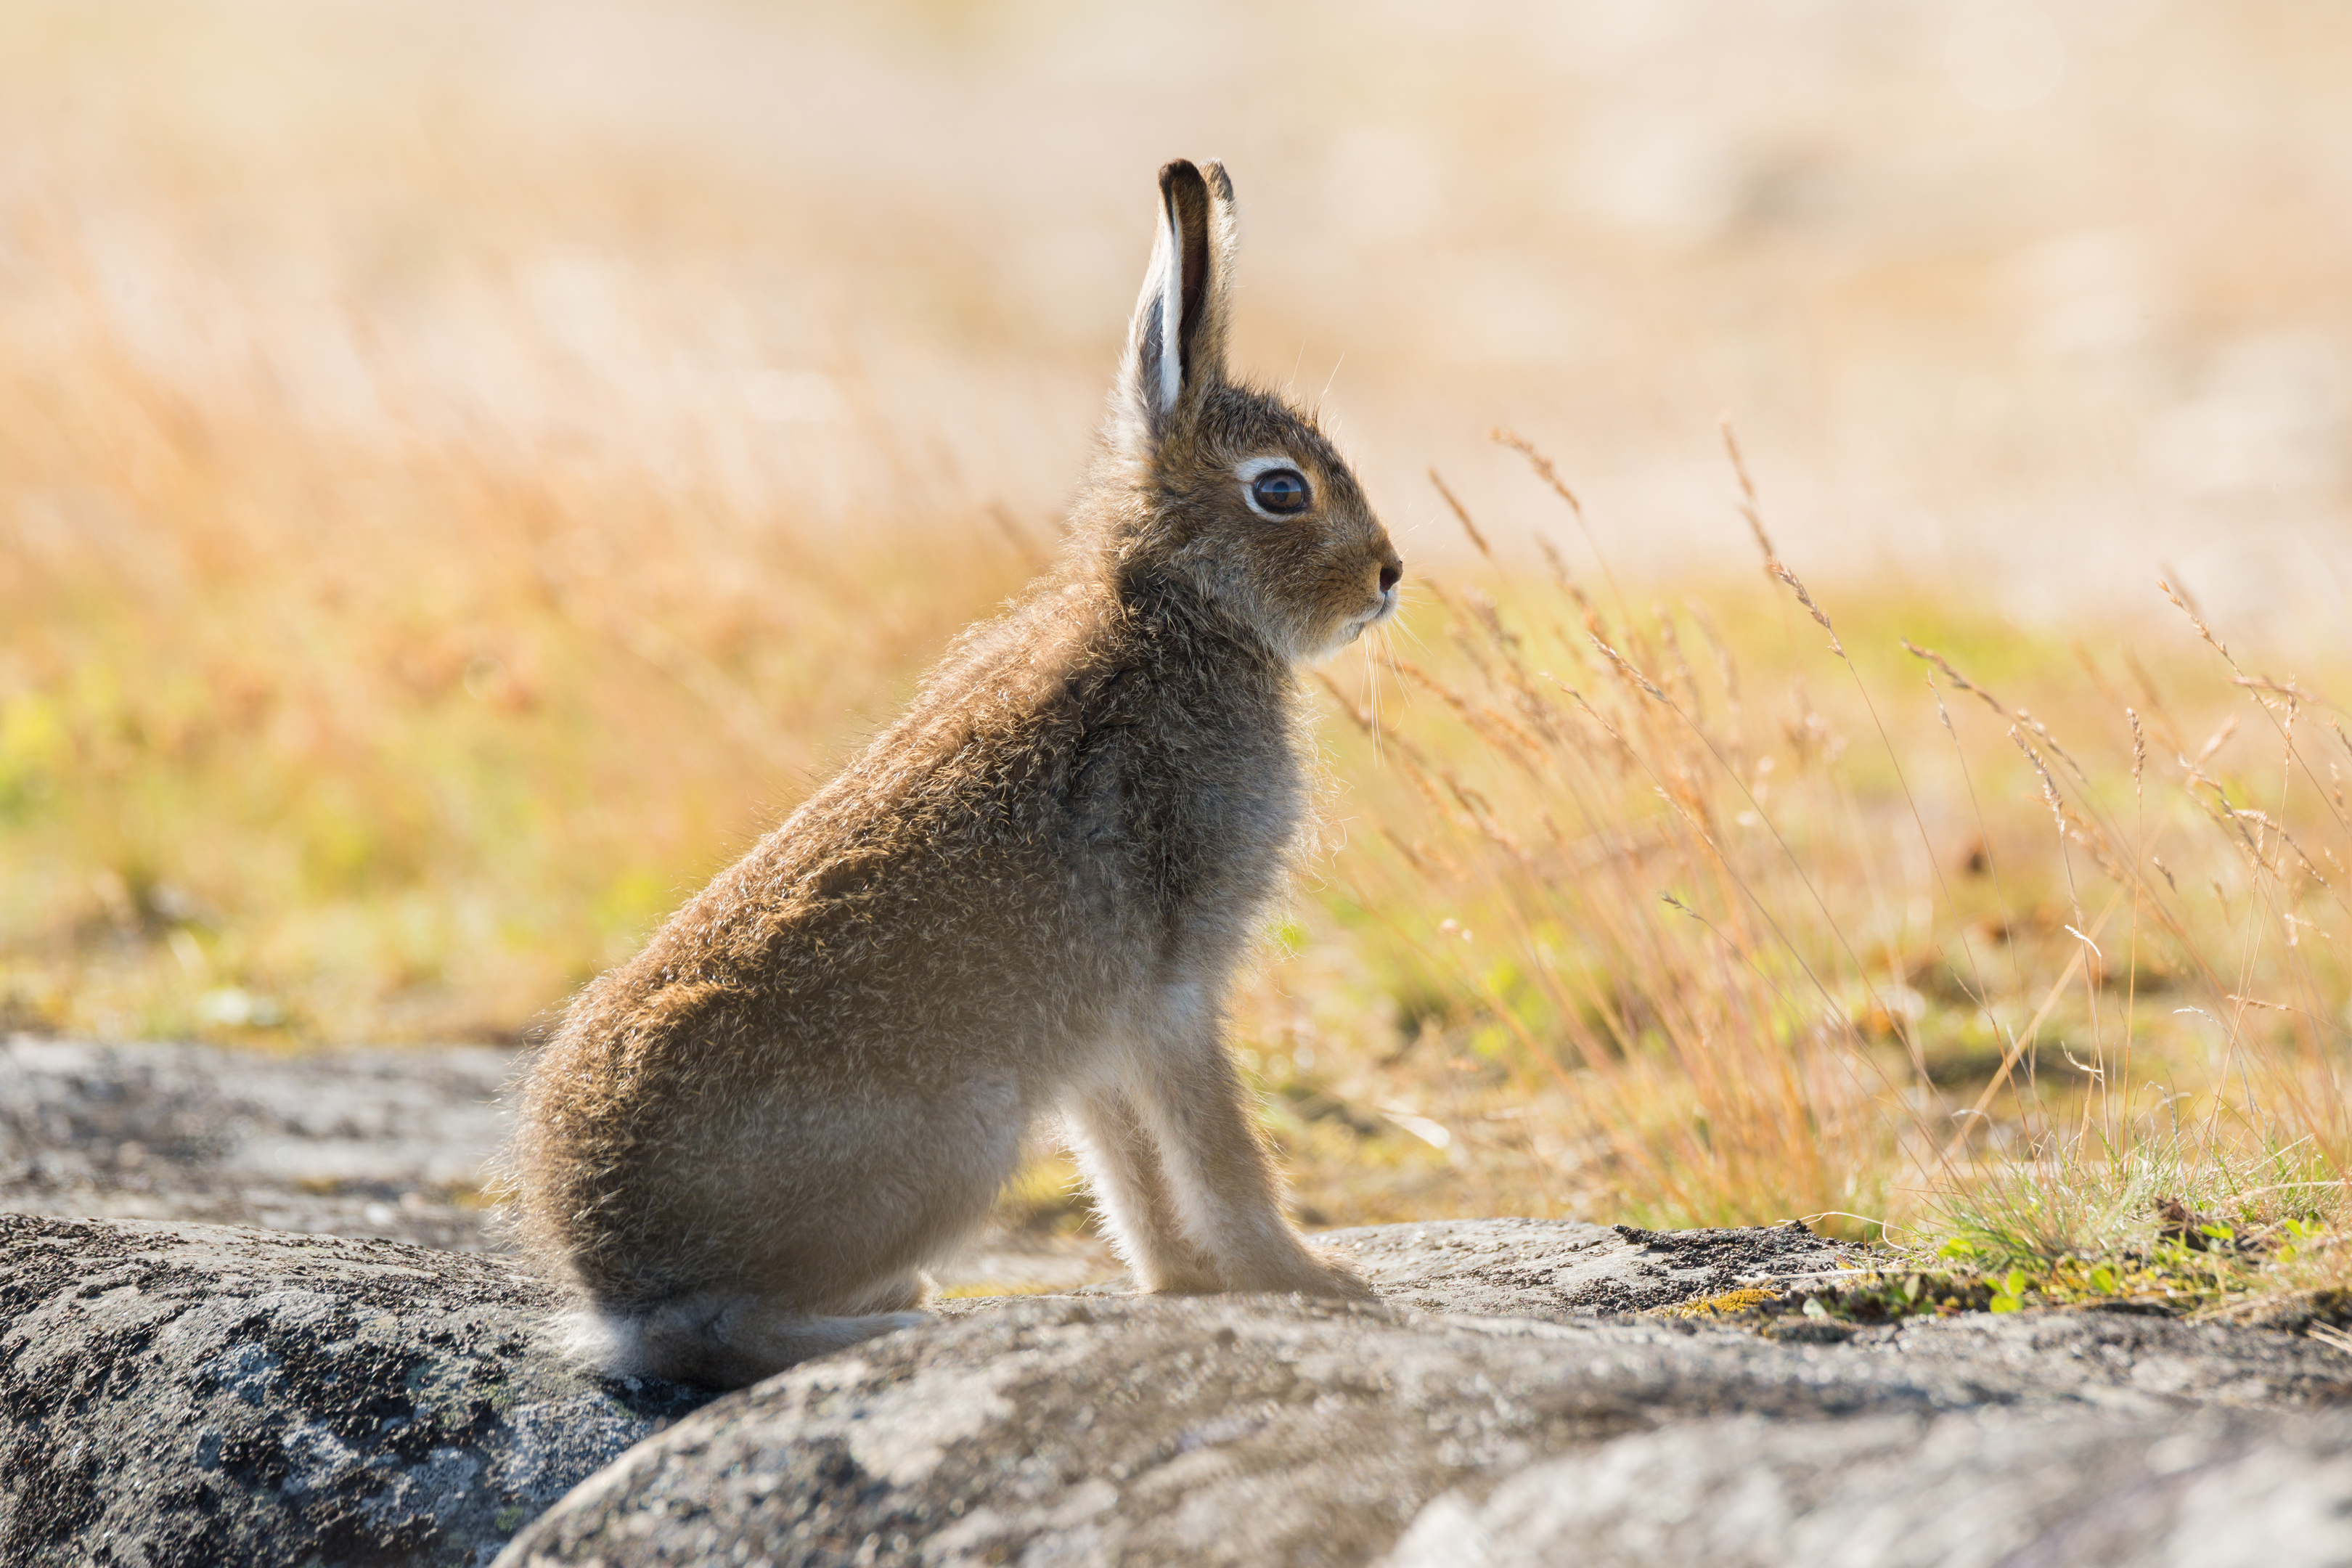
1281	492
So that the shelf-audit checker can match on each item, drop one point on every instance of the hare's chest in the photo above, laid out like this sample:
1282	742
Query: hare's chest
1191	807
1222	825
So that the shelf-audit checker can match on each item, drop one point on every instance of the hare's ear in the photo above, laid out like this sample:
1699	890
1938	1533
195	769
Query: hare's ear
1176	343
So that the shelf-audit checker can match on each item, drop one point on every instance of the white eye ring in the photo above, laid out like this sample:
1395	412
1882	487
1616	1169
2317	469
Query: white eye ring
1249	474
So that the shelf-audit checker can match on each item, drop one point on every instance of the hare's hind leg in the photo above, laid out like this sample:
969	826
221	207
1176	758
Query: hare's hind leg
807	1228
717	1341
1219	1179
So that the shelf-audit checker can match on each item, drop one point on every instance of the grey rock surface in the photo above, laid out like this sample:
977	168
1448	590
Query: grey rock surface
1274	1431
1557	1269
395	1144
198	1395
2219	1489
2080	1355
183	1393
349	1143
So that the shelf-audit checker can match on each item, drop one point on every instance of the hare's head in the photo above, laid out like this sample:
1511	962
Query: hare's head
1227	489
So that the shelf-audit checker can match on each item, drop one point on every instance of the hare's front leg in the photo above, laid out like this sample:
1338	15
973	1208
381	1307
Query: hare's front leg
1124	1174
1217	1177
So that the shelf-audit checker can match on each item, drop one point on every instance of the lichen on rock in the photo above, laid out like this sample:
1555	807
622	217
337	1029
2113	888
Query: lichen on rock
200	1395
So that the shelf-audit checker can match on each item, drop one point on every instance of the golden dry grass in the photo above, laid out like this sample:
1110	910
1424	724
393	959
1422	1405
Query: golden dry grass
1728	909
460	480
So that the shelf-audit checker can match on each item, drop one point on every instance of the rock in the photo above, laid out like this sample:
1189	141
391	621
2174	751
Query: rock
391	1142
2214	1490
351	1142
193	1395
197	1394
1268	1430
2080	1355
1557	1269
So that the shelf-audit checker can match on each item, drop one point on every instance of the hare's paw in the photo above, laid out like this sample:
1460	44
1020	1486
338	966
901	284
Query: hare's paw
1179	1282
1339	1279
1311	1272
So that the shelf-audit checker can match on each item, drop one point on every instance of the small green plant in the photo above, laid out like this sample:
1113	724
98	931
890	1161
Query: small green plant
1865	1299
2011	1294
2190	1265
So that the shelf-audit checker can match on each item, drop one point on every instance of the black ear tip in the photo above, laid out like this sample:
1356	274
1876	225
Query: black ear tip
1220	184
1180	172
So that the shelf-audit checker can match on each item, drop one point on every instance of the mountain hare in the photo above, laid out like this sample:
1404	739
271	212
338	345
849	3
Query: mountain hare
1029	895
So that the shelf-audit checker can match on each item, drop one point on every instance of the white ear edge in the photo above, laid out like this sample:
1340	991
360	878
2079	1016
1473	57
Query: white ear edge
1171	314
1248	472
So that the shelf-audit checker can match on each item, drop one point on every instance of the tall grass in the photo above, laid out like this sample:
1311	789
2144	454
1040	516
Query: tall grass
1707	937
1716	910
461	478
1721	908
309	738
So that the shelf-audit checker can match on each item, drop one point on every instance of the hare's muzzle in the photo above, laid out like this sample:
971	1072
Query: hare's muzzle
1385	600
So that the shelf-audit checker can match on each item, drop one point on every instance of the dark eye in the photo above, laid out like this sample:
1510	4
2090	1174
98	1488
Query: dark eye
1280	491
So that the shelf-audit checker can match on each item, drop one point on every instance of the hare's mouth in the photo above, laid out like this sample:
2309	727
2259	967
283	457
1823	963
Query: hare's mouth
1381	611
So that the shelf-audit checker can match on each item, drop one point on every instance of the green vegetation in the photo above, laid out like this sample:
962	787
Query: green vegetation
2198	1269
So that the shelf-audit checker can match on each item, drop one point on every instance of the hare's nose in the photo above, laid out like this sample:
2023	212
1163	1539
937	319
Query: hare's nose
1390	572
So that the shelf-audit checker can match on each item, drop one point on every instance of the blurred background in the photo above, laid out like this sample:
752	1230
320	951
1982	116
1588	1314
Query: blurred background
465	469
2042	292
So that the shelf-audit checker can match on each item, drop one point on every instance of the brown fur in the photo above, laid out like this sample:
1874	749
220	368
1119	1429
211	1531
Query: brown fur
1028	895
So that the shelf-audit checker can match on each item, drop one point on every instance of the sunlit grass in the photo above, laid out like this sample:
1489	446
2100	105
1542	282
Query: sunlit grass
411	754
1734	906
1700	903
412	587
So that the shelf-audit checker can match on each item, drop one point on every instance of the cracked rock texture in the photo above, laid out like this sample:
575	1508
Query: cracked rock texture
1261	1430
199	1396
